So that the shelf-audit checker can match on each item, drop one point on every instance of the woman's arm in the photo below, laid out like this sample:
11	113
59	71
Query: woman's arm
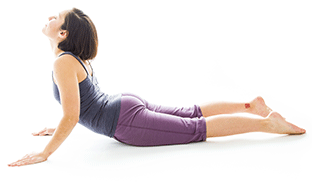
65	74
67	81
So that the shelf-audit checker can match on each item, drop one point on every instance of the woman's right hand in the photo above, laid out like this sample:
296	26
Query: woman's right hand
45	132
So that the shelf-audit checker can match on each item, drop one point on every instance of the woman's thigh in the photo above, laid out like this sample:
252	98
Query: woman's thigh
190	112
137	125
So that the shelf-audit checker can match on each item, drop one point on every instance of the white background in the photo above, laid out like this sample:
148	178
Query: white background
169	52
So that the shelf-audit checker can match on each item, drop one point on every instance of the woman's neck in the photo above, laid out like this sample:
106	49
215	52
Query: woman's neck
56	51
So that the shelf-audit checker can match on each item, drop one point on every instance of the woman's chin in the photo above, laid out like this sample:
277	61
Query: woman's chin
44	30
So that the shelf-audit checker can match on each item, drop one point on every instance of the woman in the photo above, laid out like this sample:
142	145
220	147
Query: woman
127	117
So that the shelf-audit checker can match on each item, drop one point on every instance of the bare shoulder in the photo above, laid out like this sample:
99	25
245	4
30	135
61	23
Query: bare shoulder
66	63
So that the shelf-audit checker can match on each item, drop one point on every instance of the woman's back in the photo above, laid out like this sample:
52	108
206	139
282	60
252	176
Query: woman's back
98	111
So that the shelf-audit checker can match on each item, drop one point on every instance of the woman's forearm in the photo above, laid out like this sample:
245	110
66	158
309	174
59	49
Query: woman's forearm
61	133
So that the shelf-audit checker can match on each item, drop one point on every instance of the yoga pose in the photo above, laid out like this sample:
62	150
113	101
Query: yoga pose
126	117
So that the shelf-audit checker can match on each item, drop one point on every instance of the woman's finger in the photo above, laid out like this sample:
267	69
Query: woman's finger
29	159
17	163
39	133
35	134
44	132
27	155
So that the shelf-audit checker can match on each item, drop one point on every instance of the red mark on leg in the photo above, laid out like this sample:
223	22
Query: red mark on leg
247	105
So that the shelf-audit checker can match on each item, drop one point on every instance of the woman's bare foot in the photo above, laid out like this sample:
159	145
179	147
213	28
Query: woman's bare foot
258	107
277	124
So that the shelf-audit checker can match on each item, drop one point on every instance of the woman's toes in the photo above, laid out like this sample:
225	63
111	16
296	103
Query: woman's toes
278	124
296	130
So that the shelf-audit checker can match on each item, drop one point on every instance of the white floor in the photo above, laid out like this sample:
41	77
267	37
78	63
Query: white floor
174	53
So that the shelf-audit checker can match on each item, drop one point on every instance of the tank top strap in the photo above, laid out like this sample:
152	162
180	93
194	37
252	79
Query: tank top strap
76	58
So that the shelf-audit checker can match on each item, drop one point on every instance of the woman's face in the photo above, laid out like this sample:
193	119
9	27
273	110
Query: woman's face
53	28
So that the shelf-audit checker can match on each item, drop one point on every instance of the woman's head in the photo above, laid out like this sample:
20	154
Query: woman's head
75	32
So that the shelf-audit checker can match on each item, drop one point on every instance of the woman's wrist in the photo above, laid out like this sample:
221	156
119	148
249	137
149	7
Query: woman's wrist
45	154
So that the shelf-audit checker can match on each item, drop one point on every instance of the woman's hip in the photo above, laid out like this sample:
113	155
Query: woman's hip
140	126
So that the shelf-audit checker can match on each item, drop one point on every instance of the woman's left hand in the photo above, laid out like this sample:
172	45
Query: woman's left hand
29	159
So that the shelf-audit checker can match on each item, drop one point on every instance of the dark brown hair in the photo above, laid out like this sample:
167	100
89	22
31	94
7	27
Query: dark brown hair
82	38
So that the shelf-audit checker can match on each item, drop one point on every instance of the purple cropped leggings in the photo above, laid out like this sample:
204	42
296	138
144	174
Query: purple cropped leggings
143	124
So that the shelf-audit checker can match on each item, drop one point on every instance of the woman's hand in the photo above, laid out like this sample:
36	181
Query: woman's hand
29	159
45	132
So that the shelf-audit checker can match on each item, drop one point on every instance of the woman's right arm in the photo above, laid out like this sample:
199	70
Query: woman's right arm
67	81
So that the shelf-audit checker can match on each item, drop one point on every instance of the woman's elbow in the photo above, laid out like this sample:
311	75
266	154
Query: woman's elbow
71	119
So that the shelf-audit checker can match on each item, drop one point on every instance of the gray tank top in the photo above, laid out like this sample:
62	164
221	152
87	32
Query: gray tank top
98	111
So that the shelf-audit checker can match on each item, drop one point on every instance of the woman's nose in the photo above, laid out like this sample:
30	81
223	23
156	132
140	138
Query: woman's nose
51	18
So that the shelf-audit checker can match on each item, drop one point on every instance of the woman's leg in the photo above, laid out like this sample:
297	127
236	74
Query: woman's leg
185	112
256	106
224	125
137	125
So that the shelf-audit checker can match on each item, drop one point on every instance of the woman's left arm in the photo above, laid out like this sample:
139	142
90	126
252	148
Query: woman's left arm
67	81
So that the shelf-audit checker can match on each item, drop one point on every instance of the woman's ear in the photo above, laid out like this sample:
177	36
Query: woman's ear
63	34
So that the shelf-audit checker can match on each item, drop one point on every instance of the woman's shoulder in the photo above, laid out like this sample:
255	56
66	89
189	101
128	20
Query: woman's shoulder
66	62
